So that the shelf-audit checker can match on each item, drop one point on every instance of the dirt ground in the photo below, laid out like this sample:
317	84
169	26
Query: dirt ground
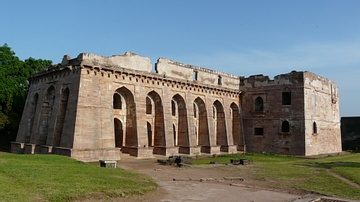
211	183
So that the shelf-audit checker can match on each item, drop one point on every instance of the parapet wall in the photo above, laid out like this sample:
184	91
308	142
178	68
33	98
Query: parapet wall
128	60
169	68
293	77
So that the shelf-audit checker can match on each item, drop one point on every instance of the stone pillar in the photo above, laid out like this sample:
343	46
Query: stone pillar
170	149
143	150
213	148
231	148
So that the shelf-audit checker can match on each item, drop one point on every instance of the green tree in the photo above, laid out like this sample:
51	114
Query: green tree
14	74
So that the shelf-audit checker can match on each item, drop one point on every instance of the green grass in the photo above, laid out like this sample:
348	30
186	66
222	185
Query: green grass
60	178
299	173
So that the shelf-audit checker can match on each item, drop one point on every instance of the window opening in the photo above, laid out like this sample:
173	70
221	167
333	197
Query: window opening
314	128
286	98
219	80
116	101
285	127
148	106
195	75
258	131
259	104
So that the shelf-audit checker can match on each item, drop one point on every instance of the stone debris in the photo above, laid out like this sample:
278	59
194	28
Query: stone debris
241	161
210	179
176	160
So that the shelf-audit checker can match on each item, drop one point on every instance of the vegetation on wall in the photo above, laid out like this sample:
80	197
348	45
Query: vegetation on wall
14	74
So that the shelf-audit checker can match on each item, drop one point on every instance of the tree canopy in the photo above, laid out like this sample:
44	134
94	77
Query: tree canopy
14	74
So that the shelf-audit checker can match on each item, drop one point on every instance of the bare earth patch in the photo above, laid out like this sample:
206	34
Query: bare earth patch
214	182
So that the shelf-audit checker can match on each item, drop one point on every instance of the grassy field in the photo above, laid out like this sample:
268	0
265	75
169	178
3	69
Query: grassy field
300	173
60	178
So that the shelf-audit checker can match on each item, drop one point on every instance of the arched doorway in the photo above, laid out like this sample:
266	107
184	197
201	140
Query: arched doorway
46	114
125	119
61	117
119	134
157	114
236	127
181	138
220	124
201	125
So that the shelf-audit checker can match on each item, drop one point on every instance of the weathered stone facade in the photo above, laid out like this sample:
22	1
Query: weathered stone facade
94	107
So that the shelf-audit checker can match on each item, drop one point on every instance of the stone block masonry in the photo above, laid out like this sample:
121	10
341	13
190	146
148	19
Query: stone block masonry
94	107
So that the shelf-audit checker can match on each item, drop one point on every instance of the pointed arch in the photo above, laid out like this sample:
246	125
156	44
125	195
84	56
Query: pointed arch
149	104
119	133
235	120
285	127
221	135
201	124
46	114
117	103
315	128
259	104
182	137
158	113
128	118
64	98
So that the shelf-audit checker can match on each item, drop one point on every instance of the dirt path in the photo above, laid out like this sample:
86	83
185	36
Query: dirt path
332	173
203	183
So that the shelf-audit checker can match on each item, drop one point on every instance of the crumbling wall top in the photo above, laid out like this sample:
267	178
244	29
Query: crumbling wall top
128	60
293	77
172	69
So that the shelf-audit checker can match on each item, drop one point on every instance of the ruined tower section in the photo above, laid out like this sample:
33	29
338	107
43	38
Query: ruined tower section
322	119
273	113
286	115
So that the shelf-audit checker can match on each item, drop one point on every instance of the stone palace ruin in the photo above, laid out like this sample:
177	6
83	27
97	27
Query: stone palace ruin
94	107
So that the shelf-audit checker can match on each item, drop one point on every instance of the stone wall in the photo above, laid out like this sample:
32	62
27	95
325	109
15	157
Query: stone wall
94	107
322	117
199	75
274	113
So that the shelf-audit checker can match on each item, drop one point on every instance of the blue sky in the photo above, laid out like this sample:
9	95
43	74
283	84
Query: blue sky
233	36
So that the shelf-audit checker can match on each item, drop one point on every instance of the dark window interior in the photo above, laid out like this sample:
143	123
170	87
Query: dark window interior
259	131
286	98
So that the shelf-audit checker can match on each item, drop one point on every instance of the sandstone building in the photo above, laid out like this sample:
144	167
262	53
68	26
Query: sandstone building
94	107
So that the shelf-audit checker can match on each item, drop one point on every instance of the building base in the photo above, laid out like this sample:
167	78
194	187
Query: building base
196	150
210	149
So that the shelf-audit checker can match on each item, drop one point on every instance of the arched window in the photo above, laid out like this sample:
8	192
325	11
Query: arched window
116	101
314	128
285	127
259	104
148	106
